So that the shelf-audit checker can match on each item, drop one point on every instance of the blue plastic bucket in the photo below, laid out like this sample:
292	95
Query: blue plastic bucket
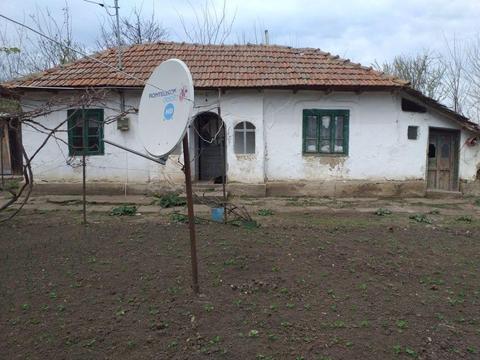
217	214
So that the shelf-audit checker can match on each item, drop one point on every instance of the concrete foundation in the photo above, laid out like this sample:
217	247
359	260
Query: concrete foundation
341	189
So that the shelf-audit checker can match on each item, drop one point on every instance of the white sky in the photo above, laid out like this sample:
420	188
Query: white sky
362	30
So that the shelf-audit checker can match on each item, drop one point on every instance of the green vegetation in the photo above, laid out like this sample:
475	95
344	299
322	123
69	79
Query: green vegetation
169	200
265	212
124	210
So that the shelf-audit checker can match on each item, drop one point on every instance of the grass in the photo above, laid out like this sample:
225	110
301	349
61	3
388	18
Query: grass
124	210
420	218
265	212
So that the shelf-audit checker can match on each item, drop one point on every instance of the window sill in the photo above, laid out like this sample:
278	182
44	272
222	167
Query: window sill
323	155
246	156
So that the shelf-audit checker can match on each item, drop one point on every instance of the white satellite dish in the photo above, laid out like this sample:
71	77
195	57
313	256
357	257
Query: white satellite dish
165	107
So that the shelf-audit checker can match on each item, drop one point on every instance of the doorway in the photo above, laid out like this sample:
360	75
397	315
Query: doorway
10	147
443	155
210	147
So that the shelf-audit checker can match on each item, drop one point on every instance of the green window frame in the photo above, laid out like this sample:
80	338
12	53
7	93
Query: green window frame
325	131
91	134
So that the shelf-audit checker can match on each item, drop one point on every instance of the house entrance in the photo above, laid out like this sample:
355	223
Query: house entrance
10	149
210	147
443	154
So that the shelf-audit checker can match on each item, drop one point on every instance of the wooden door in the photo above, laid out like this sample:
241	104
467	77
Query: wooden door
6	159
443	160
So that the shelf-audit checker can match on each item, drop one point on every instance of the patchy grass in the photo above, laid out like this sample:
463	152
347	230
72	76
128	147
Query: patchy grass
300	286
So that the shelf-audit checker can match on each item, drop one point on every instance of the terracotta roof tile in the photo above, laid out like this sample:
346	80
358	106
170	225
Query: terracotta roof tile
214	66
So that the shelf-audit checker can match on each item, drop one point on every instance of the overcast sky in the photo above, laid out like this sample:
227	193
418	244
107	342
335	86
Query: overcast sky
362	30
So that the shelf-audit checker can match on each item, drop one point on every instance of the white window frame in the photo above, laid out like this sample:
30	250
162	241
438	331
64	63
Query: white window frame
244	131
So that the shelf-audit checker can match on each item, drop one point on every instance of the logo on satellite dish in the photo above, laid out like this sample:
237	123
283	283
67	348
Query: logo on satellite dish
168	111
183	93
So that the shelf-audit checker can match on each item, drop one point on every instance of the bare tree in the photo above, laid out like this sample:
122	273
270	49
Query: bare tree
211	25
473	75
424	71
46	53
23	52
134	29
12	63
456	79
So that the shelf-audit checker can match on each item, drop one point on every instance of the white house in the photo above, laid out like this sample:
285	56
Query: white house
275	120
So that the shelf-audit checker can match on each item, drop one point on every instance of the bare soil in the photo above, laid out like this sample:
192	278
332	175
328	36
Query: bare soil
304	285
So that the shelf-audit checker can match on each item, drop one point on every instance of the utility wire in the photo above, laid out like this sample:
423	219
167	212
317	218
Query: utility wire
81	53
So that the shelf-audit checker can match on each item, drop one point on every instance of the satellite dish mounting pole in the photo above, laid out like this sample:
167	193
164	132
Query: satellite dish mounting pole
191	216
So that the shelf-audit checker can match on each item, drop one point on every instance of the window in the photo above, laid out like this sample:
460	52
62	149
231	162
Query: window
325	131
412	132
244	138
85	132
410	106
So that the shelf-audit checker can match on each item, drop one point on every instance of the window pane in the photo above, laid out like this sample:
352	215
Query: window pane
77	142
239	148
250	143
239	126
339	127
312	127
432	151
325	146
325	129
338	146
249	125
311	145
93	144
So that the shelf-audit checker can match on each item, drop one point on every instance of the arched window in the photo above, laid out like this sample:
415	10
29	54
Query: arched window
244	138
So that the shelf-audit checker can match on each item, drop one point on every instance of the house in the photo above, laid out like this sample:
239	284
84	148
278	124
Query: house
275	120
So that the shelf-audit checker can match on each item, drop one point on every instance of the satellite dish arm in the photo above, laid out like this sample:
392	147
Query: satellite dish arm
161	161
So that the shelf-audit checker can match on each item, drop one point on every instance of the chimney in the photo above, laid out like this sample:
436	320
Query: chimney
267	38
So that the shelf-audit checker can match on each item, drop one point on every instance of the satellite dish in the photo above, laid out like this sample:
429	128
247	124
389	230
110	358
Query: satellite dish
165	107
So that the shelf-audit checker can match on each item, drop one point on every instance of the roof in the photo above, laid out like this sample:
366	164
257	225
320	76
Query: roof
214	66
227	66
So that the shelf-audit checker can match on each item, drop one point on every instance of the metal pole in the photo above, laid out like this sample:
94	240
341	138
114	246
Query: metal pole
119	41
224	165
191	216
84	189
84	171
161	161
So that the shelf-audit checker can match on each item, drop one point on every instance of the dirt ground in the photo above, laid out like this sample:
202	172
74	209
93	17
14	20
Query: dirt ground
310	283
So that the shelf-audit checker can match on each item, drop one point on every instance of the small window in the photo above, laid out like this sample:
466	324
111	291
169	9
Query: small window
413	132
432	151
325	131
85	132
244	138
410	106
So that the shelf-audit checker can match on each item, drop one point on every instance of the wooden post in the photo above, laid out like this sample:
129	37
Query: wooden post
1	154
191	216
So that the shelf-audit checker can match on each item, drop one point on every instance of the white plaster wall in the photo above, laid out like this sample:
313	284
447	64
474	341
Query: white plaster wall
115	166
378	144
118	166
